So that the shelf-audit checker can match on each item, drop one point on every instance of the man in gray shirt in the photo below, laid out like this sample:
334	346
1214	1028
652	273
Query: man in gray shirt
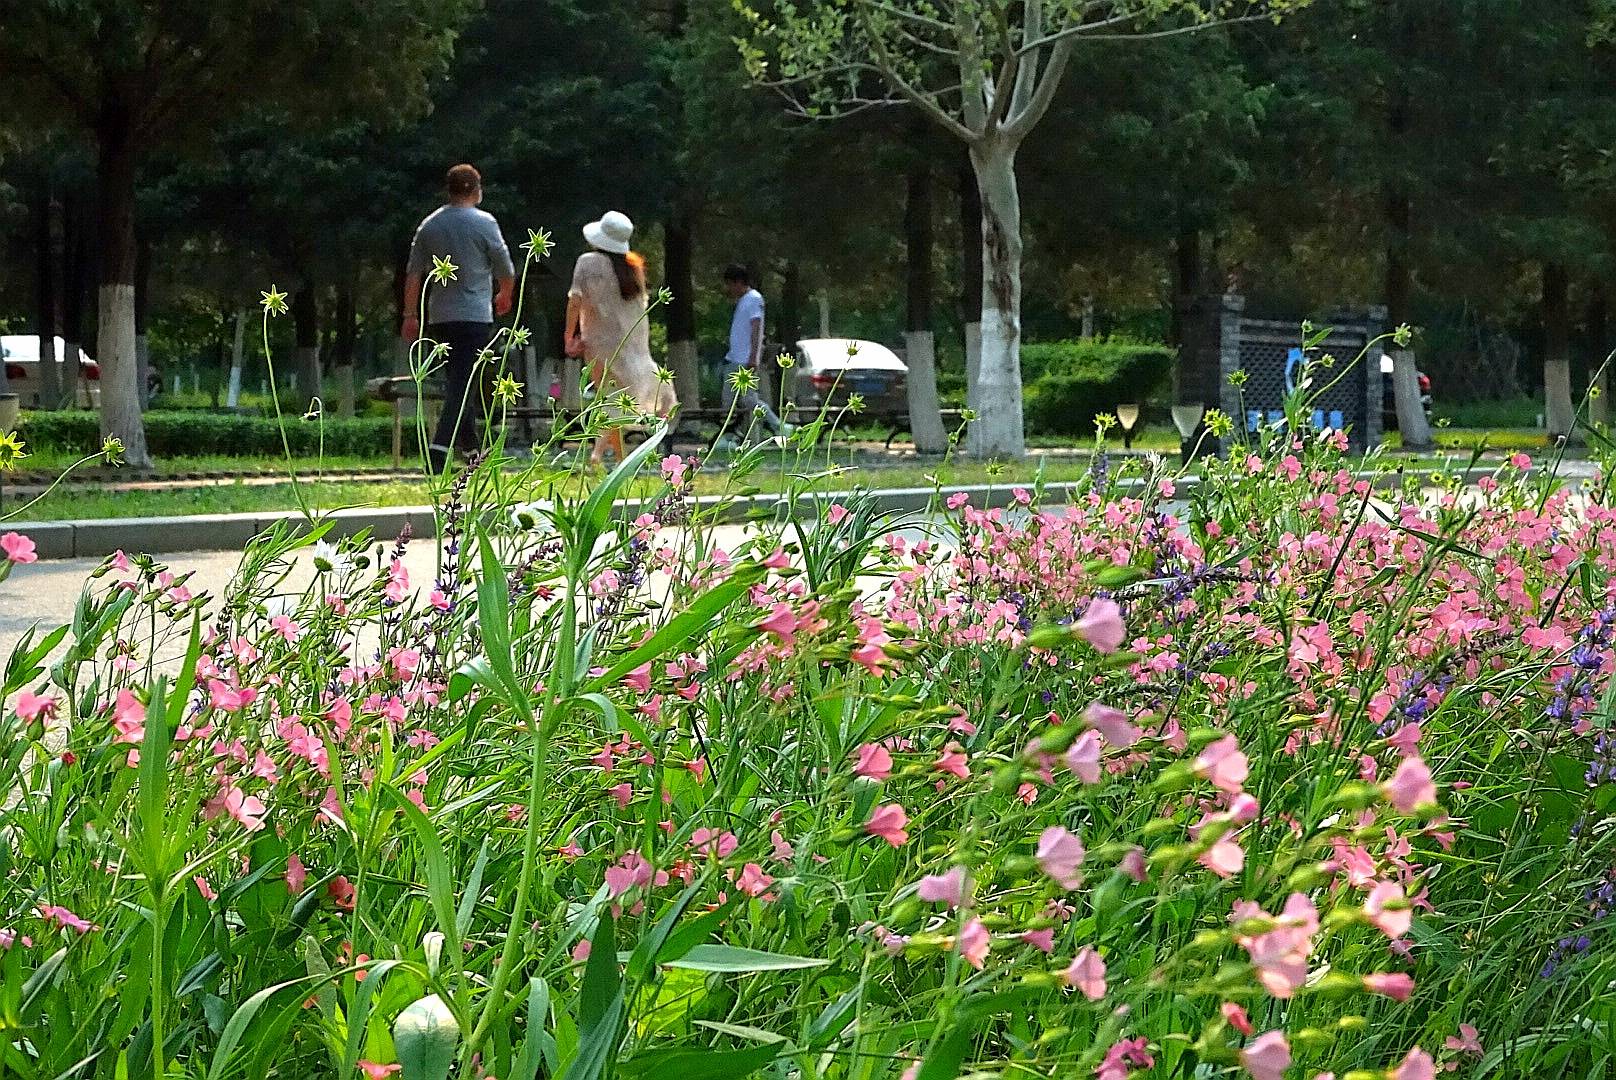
460	313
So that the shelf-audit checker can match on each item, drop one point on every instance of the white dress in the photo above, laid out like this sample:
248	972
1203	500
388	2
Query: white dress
616	331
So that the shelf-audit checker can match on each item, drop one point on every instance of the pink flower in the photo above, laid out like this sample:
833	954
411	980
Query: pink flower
782	623
374	1071
1396	985
1223	765
1280	955
1418	1065
1224	858
753	881
888	823
640	678
341	892
297	875
947	888
1042	940
286	628
1410	786
1086	974
953	762
1236	1015
203	887
129	718
973	942
956	500
1268	1057
836	514
1112	724
714	843
1122	1058
1083	757
31	707
1468	1042
874	762
782	850
631	869
18	548
673	470
1388	909
1059	855
1133	864
244	808
1101	626
66	919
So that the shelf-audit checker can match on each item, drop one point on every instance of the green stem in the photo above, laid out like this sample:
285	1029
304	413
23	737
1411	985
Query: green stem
280	422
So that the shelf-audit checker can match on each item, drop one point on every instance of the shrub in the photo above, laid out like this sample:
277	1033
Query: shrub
1067	382
186	432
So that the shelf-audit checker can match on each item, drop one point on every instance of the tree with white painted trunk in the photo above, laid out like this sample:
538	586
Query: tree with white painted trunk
985	71
138	76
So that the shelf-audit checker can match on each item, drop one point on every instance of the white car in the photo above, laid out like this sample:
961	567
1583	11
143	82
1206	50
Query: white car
830	369
21	355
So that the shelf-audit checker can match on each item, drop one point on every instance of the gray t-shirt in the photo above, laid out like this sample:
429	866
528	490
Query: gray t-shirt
469	238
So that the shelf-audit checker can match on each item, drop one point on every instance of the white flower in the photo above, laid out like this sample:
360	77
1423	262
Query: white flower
328	560
532	518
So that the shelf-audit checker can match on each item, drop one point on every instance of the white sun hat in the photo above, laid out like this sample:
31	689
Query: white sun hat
611	233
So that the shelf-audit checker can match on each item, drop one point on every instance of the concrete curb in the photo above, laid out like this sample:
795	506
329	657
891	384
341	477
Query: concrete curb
231	532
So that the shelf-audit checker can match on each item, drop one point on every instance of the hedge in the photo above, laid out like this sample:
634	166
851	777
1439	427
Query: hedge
1067	382
189	432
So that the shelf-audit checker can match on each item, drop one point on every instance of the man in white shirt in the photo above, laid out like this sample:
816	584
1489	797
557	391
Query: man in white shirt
745	350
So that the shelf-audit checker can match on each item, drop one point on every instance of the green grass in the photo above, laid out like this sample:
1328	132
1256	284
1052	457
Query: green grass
237	498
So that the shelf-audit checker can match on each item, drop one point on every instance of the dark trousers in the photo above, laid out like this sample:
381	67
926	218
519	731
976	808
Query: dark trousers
467	392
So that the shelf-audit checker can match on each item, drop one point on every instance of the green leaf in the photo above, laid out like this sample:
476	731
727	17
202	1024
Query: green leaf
359	1012
600	1006
948	1056
439	879
242	1019
679	629
539	1046
601	980
494	620
425	1035
597	508
690	1063
729	958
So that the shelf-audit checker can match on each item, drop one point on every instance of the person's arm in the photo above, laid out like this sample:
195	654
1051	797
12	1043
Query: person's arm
412	307
499	257
573	333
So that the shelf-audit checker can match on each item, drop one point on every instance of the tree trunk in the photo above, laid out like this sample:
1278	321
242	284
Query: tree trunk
1197	373
1558	408
1599	373
342	348
238	349
970	220
789	326
1412	424
920	343
997	431
45	250
74	263
142	309
306	354
121	392
679	255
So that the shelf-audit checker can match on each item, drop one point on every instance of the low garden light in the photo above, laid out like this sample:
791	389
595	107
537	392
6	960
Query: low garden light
1128	420
1187	419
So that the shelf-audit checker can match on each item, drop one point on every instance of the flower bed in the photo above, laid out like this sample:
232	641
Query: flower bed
1284	780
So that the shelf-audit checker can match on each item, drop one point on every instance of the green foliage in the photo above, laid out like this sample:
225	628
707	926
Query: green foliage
1068	382
176	432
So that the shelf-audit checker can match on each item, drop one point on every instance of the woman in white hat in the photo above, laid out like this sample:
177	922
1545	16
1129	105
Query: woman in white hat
607	327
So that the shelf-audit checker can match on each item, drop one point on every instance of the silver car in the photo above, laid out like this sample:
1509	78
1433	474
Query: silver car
829	370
